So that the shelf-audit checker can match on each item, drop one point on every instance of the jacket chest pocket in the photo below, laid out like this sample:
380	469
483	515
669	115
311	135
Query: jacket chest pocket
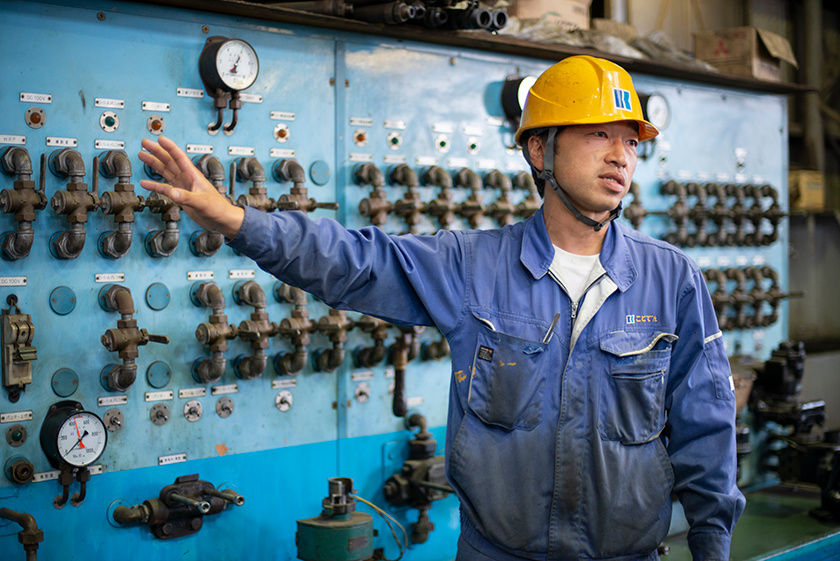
632	393
508	380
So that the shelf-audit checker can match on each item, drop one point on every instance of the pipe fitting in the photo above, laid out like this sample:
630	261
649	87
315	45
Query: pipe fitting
369	174
16	161
163	243
402	174
30	536
116	243
68	244
115	163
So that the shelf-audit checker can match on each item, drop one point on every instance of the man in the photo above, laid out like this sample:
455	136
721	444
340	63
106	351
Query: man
589	374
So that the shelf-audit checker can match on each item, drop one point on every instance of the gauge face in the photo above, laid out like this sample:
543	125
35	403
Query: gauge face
524	88
237	64
81	439
657	110
514	93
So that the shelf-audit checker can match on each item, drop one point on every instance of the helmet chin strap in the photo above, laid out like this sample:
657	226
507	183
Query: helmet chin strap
547	175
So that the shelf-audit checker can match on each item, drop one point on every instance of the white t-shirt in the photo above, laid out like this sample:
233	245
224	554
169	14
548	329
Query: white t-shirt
574	272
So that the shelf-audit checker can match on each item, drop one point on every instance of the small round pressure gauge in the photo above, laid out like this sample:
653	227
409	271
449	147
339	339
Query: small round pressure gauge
656	110
72	436
226	64
514	92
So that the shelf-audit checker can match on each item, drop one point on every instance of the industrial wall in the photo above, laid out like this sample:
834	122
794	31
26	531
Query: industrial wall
117	305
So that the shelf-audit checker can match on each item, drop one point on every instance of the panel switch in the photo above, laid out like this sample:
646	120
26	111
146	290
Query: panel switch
17	332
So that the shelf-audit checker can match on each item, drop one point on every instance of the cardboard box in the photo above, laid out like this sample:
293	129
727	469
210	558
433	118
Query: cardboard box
745	51
806	189
569	14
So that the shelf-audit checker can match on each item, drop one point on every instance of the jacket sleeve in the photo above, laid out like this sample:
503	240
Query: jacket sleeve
406	280
701	444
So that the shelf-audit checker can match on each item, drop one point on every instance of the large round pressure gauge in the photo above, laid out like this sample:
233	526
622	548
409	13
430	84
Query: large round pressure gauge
230	65
656	110
72	436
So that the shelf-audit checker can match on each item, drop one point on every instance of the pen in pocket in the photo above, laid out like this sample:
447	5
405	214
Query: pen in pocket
548	334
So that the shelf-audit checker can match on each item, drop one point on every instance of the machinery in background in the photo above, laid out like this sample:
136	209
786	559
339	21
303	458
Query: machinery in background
441	14
800	449
421	481
179	509
339	533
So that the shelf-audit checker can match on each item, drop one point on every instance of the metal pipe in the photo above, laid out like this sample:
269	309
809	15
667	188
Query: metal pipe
31	536
202	506
812	75
228	495
618	10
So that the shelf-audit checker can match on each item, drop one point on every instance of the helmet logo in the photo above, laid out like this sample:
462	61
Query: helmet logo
621	98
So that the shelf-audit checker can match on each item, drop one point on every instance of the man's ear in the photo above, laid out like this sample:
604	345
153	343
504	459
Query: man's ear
536	151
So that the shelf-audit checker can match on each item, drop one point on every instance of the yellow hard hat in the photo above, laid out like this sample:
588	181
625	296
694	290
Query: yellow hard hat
583	90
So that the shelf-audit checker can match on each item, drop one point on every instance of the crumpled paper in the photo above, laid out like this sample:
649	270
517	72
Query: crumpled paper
655	45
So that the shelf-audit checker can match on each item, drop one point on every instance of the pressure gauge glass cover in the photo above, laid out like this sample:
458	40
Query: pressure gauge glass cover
514	92
230	65
656	109
72	436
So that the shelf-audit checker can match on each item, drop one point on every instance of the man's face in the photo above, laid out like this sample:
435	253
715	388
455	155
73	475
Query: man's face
594	164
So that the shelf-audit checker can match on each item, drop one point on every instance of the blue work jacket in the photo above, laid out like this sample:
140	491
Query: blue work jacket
563	442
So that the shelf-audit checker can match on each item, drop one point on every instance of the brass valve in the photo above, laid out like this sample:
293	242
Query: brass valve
125	339
533	202
376	207
502	208
250	169
296	328
335	325
410	208
214	333
256	330
442	207
368	357
122	202
22	200
298	197
75	203
473	208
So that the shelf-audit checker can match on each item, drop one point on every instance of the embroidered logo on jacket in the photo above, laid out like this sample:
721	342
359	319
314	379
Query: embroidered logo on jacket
641	319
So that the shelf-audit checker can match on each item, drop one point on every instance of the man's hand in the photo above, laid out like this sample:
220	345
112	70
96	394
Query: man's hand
188	187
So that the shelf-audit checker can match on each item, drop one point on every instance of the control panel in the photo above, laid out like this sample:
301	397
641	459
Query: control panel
161	393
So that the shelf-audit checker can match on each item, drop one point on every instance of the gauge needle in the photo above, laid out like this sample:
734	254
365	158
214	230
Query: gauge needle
80	444
76	422
233	70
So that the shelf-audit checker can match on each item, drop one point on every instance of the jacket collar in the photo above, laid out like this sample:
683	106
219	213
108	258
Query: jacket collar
538	252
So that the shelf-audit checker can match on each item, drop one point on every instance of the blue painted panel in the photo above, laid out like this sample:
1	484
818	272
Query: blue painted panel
325	87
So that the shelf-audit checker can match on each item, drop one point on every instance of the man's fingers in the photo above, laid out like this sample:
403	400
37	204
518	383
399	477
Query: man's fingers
161	159
178	157
177	195
152	156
